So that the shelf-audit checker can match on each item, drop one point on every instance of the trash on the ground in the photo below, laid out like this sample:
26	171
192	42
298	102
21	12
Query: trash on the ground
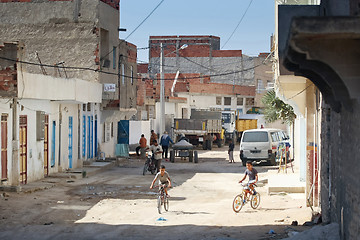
309	223
161	219
279	220
317	219
271	231
292	233
60	202
294	223
328	232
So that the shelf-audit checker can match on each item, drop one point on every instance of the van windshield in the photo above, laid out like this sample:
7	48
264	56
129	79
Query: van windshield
255	137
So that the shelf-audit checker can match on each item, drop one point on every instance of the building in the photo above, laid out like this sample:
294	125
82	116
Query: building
59	73
319	43
199	75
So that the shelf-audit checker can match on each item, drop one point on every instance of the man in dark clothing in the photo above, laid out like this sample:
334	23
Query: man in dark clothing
231	152
165	142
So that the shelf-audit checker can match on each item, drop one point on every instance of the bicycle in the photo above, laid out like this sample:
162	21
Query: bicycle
240	200
162	199
149	165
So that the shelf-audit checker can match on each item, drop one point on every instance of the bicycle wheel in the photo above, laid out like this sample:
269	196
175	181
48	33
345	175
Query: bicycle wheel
255	200
159	204
238	203
146	166
166	203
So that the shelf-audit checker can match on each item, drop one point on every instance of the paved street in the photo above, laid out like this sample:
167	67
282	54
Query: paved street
118	204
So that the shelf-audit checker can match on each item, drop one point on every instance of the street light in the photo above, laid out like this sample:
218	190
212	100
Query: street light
162	86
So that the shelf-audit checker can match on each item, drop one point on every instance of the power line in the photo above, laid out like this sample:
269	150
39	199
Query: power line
135	28
116	74
300	92
238	24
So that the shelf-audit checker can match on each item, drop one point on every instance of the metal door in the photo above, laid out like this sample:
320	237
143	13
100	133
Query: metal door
23	148
84	137
92	138
96	137
123	132
88	138
53	141
70	141
46	146
4	164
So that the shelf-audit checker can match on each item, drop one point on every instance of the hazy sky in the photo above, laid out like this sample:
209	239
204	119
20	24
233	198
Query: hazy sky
200	17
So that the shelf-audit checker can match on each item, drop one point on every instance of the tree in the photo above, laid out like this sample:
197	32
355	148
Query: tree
276	109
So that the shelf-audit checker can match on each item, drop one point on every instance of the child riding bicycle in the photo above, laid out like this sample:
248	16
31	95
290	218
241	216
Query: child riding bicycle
164	179
253	177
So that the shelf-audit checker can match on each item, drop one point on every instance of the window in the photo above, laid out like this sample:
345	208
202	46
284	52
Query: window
255	137
250	101
112	129
132	75
218	101
227	101
123	74
89	107
260	86
114	57
274	137
104	48
239	101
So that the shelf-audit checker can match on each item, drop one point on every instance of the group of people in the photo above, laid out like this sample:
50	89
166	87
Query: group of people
159	148
160	151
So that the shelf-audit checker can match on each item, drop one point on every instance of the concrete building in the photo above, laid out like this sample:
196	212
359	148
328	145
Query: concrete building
200	75
68	64
319	42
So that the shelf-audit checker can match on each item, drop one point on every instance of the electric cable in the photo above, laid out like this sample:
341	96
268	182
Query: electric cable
238	24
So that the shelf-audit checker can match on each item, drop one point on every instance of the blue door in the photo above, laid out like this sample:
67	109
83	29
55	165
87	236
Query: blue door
92	138
84	137
53	144
123	132
70	141
88	139
96	137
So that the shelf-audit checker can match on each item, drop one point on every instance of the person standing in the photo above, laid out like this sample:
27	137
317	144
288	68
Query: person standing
157	154
142	143
231	151
165	141
153	137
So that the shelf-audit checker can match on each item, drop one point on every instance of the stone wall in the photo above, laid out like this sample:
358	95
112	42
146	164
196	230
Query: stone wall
48	31
340	191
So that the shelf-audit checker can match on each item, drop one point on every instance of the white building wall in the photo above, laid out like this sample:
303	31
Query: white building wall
136	129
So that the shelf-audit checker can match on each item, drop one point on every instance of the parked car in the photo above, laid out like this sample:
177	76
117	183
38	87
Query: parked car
261	145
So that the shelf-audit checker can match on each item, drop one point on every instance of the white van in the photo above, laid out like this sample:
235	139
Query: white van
261	145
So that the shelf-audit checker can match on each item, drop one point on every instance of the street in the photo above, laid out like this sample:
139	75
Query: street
118	204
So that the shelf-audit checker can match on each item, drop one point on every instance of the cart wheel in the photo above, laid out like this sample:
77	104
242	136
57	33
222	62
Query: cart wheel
172	156
191	156
196	159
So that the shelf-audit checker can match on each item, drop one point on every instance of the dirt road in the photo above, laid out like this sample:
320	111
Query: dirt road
118	204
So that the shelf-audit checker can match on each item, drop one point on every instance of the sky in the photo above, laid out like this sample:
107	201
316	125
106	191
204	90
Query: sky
200	17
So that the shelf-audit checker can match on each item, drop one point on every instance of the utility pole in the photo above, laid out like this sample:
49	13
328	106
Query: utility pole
162	91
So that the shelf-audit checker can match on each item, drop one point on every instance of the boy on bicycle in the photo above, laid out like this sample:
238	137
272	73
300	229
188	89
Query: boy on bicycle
164	179
253	176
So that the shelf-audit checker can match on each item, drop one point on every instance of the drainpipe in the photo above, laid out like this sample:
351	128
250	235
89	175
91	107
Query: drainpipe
174	83
15	146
